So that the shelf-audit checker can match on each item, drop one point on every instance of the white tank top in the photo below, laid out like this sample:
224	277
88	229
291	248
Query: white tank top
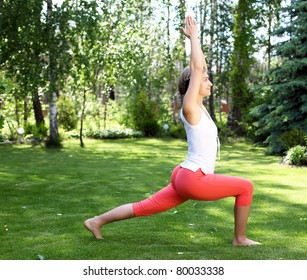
203	143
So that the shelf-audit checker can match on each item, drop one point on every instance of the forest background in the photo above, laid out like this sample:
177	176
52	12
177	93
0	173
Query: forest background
108	69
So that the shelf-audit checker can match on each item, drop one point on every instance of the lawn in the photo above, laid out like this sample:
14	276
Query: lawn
47	194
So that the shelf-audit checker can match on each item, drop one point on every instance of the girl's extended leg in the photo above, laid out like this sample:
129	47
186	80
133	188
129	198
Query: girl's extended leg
161	201
119	213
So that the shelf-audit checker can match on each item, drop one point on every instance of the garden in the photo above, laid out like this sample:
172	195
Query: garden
89	120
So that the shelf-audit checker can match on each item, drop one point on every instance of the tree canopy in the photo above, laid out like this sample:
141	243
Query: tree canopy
284	108
118	60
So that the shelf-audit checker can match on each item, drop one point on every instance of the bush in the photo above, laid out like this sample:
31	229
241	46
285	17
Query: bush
36	132
177	131
297	156
112	134
72	134
67	116
1	122
292	138
145	115
2	138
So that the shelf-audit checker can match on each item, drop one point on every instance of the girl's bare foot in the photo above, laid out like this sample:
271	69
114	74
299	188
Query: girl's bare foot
93	228
244	242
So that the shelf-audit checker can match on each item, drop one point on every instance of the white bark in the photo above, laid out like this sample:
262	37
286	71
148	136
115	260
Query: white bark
54	136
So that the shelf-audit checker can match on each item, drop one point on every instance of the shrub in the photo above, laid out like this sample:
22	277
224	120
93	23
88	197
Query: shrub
177	131
145	115
67	116
112	134
297	156
2	138
292	138
72	134
1	122
36	132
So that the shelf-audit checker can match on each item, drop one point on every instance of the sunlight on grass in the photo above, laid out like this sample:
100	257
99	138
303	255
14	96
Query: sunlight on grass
46	195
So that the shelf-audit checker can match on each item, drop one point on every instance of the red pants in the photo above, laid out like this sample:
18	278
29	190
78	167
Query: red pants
186	184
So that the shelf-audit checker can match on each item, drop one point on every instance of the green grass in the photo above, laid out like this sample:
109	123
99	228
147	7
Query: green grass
47	194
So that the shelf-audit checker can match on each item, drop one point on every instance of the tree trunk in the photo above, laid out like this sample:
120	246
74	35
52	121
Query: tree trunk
54	140
169	61
82	117
38	112
16	110
25	110
54	135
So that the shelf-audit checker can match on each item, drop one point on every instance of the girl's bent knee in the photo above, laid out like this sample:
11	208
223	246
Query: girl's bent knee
249	186
246	197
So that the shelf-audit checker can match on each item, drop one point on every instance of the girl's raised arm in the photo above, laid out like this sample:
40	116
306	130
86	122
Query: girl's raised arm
191	106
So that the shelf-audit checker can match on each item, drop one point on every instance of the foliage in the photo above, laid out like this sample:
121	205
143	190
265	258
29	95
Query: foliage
177	131
296	156
225	133
147	72
284	106
36	132
267	18
58	50
98	50
22	32
145	115
241	63
1	126
1	121
291	138
34	51
22	51
216	32
67	115
113	134
10	102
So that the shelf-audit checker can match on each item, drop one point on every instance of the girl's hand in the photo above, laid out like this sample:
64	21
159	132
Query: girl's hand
190	27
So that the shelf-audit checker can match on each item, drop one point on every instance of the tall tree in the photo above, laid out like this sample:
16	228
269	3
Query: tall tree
241	61
59	60
53	90
22	46
87	47
268	14
216	24
272	17
223	51
285	108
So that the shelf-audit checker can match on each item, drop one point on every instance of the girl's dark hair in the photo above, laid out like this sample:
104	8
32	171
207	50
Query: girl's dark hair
184	81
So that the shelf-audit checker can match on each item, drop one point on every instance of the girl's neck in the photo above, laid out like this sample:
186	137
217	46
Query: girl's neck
200	99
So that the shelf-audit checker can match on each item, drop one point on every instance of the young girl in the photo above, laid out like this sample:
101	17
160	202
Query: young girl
194	178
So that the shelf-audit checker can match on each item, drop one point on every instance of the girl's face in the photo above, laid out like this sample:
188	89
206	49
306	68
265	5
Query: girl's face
205	87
